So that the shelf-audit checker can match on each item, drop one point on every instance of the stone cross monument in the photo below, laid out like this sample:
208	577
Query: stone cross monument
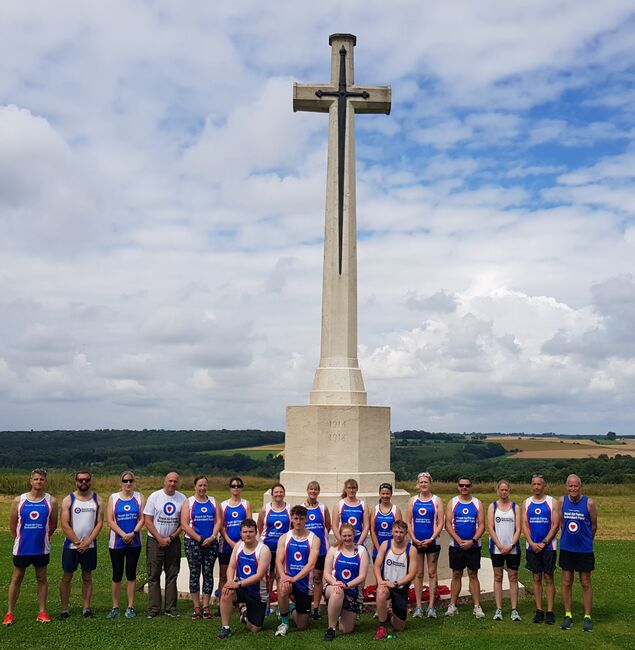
338	436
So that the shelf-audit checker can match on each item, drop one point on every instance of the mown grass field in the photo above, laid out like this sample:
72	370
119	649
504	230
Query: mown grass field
560	448
613	607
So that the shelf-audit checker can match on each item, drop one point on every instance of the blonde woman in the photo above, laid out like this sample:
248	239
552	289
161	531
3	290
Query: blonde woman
353	511
425	518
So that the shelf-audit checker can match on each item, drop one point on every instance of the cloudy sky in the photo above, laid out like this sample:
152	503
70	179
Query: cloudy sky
162	213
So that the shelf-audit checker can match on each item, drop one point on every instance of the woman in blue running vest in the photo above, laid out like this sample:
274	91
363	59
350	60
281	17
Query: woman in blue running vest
345	571
318	521
273	522
125	519
425	518
233	511
201	521
382	517
351	510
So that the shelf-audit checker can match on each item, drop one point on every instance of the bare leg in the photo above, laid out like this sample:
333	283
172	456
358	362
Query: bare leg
381	604
498	587
196	600
567	588
433	560
226	606
131	588
513	587
87	588
347	622
65	589
222	577
418	581
42	587
475	587
397	623
587	591
455	586
116	594
538	590
317	588
550	588
14	588
335	601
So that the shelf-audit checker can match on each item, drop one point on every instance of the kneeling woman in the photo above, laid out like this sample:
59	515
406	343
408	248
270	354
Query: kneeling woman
345	571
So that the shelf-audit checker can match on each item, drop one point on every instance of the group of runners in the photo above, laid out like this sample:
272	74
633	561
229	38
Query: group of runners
288	548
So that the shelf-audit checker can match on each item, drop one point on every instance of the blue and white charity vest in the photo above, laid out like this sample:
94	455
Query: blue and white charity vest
315	523
577	532
32	533
126	516
296	557
202	516
346	568
247	566
383	525
465	519
353	515
424	517
277	523
505	527
233	516
82	518
539	518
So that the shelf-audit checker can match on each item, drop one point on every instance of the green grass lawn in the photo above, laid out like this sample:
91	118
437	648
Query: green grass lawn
613	610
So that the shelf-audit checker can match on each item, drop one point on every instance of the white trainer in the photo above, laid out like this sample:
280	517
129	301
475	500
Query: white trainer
478	612
498	615
452	610
282	630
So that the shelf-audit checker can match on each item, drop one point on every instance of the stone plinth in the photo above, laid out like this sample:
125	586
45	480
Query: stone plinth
331	443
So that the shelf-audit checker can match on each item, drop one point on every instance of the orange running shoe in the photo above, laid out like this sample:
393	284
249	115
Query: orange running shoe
43	617
9	619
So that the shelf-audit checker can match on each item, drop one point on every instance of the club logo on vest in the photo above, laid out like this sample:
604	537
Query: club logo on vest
33	515
312	517
77	510
204	509
537	511
423	511
388	562
347	574
352	521
126	508
169	508
297	556
384	525
498	520
277	524
247	570
234	514
573	527
466	511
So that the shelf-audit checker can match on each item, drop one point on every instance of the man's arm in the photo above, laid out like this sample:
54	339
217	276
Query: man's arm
593	514
53	517
449	524
231	583
65	520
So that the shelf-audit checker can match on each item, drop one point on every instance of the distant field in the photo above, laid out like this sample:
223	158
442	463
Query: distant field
559	448
257	453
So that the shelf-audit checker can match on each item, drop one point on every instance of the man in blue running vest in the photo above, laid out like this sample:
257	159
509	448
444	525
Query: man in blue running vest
579	522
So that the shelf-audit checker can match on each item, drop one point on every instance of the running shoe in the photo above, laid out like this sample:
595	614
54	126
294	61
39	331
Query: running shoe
282	630
196	614
130	613
539	616
587	626
550	618
329	634
224	633
516	615
153	613
9	619
498	615
87	613
431	613
64	614
392	635
316	614
452	610
173	613
243	614
567	624
113	613
206	613
43	617
381	633
479	613
417	612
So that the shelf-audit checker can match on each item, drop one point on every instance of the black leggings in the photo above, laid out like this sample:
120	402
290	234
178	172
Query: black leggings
129	554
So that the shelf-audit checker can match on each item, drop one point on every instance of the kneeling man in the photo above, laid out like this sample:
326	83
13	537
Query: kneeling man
246	580
395	568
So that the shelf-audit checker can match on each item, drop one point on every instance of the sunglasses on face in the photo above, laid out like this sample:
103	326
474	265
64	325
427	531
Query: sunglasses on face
83	480
236	486
465	485
127	480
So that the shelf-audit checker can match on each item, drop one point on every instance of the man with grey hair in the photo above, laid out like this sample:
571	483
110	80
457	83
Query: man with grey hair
163	551
579	522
